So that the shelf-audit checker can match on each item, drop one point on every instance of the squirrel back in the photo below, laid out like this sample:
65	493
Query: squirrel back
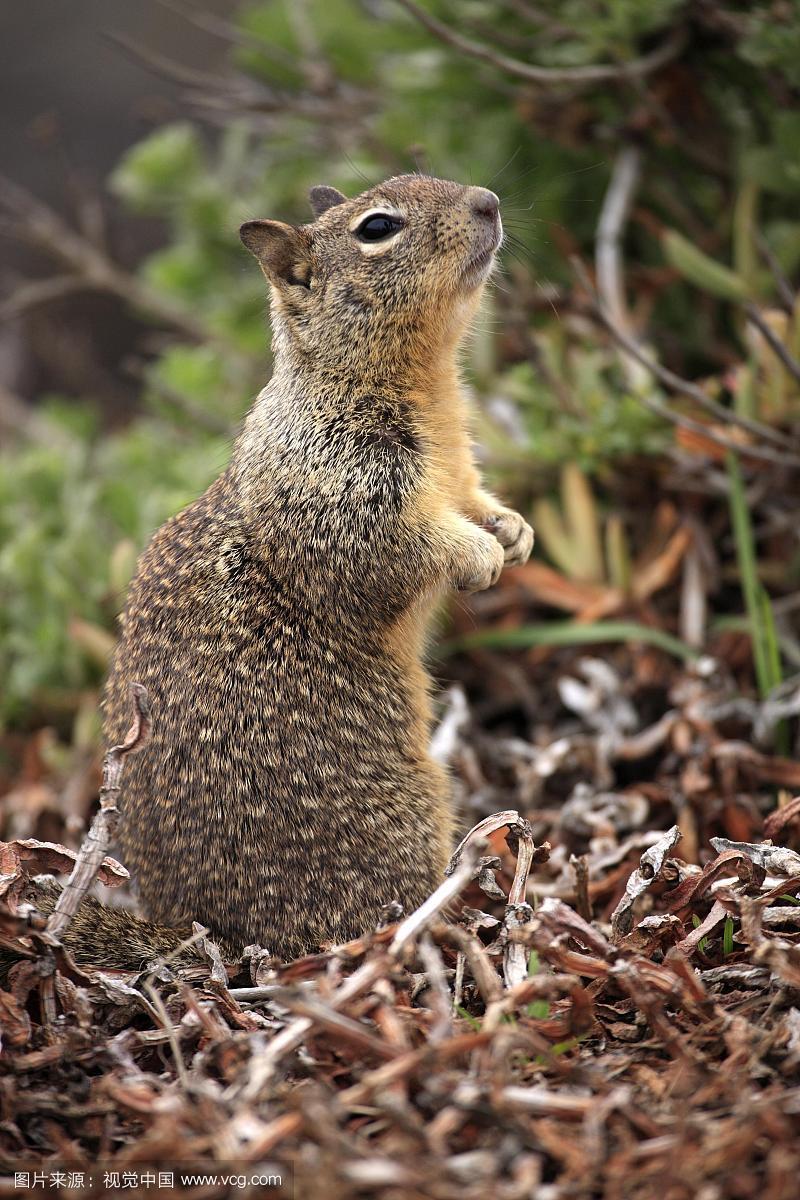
279	622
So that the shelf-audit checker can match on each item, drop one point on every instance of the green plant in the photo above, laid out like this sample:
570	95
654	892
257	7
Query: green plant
72	517
364	91
702	945
539	1009
567	633
761	622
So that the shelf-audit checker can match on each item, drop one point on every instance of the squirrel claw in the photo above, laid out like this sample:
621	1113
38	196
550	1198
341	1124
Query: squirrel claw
513	533
484	570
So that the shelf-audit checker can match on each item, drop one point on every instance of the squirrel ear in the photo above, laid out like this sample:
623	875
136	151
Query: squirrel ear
282	251
322	198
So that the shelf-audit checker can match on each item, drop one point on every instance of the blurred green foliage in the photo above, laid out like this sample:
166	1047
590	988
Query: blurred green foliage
348	91
70	517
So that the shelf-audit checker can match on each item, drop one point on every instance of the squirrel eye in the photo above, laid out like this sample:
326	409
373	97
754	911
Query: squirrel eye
377	227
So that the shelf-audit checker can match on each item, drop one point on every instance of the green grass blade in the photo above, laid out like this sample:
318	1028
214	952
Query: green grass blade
570	633
751	586
773	664
702	945
770	635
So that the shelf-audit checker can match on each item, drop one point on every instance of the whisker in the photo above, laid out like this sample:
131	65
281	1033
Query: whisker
497	174
550	183
355	169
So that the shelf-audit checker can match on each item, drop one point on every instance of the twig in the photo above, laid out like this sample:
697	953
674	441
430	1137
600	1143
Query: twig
169	1031
439	992
782	284
458	981
264	1065
774	343
675	382
447	891
197	935
91	268
98	839
312	60
684	386
525	850
38	291
165	67
597	73
694	605
247	96
472	951
613	216
335	1023
543	1102
609	265
501	820
517	911
583	903
253	994
515	951
650	867
226	31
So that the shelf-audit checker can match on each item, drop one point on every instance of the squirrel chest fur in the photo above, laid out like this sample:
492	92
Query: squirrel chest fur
279	622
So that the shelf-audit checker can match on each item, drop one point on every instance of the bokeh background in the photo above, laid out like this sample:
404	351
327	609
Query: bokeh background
646	155
633	692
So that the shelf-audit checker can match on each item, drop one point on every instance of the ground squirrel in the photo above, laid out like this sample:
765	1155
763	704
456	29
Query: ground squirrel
279	622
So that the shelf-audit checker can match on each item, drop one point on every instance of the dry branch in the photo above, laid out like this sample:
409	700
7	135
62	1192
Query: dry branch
610	227
782	457
263	1066
575	76
88	266
101	833
775	344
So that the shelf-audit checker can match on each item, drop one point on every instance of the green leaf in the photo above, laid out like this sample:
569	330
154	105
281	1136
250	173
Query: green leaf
571	633
161	167
701	270
766	656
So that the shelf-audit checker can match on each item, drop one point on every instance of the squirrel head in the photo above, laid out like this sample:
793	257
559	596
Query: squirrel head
381	283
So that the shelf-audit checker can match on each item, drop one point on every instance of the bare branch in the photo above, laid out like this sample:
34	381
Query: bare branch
580	867
101	833
264	1065
525	854
312	61
245	96
508	817
609	264
473	951
598	73
439	995
675	383
38	291
782	284
774	343
91	268
226	31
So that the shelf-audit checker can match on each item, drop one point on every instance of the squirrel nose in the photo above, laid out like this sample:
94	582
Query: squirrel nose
484	203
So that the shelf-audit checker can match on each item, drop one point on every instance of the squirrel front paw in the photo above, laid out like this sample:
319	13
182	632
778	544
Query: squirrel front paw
513	533
479	565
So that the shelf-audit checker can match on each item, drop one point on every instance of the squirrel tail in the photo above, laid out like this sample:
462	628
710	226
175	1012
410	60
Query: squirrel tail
112	938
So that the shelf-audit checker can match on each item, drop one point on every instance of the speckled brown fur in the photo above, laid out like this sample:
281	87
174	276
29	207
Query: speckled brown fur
279	621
